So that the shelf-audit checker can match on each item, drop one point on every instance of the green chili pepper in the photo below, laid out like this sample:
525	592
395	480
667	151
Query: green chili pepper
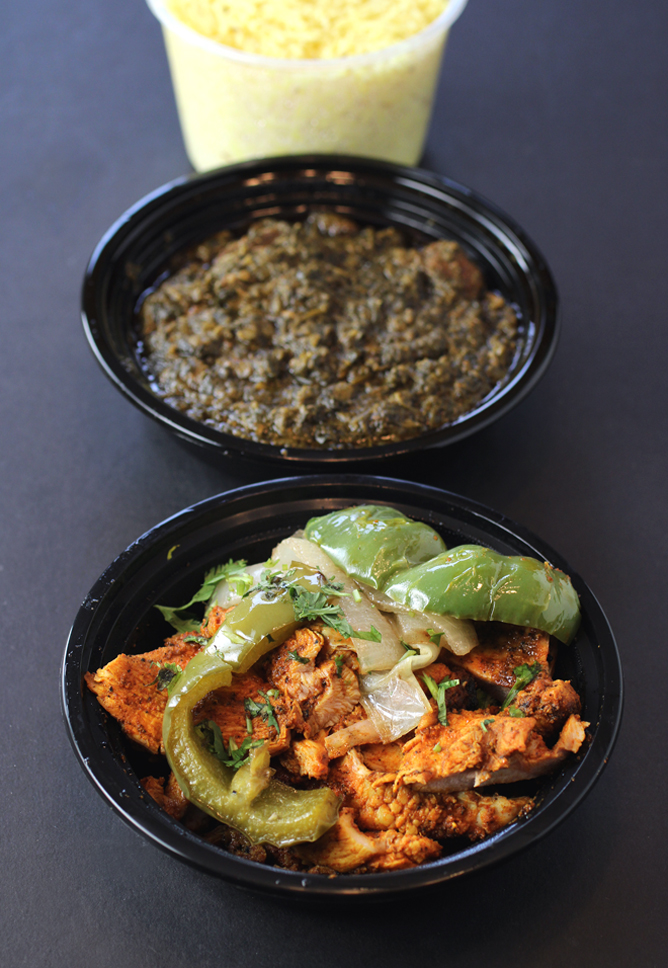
264	618
250	800
372	542
475	583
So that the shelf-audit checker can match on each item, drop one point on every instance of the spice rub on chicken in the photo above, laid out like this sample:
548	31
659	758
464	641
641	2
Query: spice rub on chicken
401	801
314	725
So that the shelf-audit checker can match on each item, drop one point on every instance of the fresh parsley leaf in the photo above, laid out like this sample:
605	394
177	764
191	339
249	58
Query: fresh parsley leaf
167	676
373	635
524	674
336	588
197	639
203	594
272	582
264	710
234	756
309	606
438	691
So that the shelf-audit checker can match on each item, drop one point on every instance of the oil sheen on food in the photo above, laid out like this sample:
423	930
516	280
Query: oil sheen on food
325	335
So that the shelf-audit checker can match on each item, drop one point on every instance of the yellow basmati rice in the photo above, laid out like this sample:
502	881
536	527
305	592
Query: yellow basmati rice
307	28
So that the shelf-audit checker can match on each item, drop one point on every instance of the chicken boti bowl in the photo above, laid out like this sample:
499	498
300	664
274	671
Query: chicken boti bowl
369	699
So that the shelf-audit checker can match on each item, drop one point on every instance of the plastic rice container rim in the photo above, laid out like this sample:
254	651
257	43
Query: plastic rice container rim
432	31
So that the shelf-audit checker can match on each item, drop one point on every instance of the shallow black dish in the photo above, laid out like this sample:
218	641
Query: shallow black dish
167	563
138	248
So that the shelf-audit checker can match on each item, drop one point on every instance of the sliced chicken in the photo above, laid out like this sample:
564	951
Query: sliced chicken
228	709
307	757
478	749
325	692
346	848
127	687
502	648
382	802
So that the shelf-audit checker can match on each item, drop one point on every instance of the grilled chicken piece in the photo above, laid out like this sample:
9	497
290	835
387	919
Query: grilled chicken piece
167	795
345	848
307	757
324	693
127	688
293	670
382	802
457	696
381	757
550	702
227	708
477	749
502	648
397	850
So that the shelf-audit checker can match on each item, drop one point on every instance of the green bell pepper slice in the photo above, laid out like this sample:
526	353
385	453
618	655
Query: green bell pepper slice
263	619
476	583
372	542
250	800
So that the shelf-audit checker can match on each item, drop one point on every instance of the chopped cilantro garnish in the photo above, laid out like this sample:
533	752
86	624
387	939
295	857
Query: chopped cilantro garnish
373	635
197	639
263	709
231	571
434	636
438	691
437	749
409	650
338	662
167	676
524	674
234	756
272	582
485	723
515	712
299	658
312	605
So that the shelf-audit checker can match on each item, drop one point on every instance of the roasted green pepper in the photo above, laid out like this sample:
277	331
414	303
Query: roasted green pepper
476	583
264	618
373	542
250	800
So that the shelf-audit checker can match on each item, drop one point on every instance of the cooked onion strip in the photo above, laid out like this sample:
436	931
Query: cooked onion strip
457	635
361	614
394	701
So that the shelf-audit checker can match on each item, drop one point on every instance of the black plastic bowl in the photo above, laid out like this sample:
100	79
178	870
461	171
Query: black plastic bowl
140	245
166	565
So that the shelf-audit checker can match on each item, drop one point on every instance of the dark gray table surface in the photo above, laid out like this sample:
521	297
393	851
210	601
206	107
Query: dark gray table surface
556	110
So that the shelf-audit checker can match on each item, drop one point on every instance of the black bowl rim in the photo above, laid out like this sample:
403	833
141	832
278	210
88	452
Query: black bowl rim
168	834
420	180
